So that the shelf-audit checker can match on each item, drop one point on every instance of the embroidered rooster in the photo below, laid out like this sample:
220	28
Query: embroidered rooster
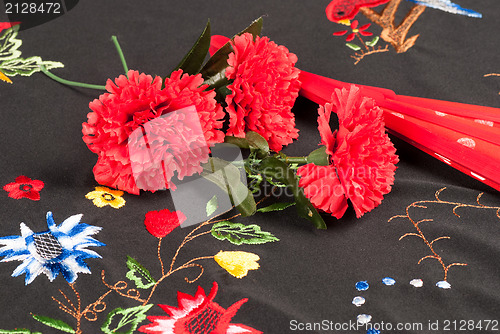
339	10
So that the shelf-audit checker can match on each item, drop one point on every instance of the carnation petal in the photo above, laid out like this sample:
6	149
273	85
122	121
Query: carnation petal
265	86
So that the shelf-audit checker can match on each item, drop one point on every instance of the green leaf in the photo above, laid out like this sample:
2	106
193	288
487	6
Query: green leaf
276	207
26	67
239	234
319	157
18	331
193	60
259	143
218	62
119	319
252	140
353	46
373	42
137	273
237	141
227	177
212	205
280	171
9	44
54	323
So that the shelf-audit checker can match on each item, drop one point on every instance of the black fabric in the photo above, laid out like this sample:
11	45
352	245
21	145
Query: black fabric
308	276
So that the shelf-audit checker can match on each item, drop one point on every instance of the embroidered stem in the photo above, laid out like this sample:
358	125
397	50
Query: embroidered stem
362	42
170	272
359	56
159	257
430	244
69	83
492	75
189	237
121	285
120	53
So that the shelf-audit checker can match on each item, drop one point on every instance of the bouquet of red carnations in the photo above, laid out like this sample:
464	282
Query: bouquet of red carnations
150	133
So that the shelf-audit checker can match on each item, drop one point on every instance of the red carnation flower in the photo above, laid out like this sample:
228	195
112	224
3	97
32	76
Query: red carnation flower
264	89
24	187
362	157
137	116
161	223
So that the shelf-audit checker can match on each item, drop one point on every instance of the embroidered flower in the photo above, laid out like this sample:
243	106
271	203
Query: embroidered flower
7	25
103	196
24	187
354	28
160	223
197	314
132	103
237	263
362	157
264	88
60	249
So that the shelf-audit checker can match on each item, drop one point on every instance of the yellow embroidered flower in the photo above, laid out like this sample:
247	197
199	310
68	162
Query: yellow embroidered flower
237	263
103	196
5	78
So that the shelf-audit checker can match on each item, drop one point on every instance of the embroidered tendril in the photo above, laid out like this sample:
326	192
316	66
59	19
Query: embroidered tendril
430	243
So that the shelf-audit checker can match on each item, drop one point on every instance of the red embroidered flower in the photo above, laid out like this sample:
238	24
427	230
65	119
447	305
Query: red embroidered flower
362	157
264	88
355	30
160	223
24	187
119	118
197	314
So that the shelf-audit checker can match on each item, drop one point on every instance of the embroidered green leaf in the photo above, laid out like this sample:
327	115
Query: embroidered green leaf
139	275
212	205
54	323
281	172
373	42
218	62
9	44
26	67
193	61
18	331
239	234
275	207
125	320
353	46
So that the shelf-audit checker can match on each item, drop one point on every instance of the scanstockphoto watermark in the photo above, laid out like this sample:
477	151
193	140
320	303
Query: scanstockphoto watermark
332	326
437	326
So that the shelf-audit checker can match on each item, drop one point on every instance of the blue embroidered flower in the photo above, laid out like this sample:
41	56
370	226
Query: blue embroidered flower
60	249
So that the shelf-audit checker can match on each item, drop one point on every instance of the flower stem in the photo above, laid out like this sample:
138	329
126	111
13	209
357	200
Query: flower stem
69	83
362	42
120	53
295	160
159	257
